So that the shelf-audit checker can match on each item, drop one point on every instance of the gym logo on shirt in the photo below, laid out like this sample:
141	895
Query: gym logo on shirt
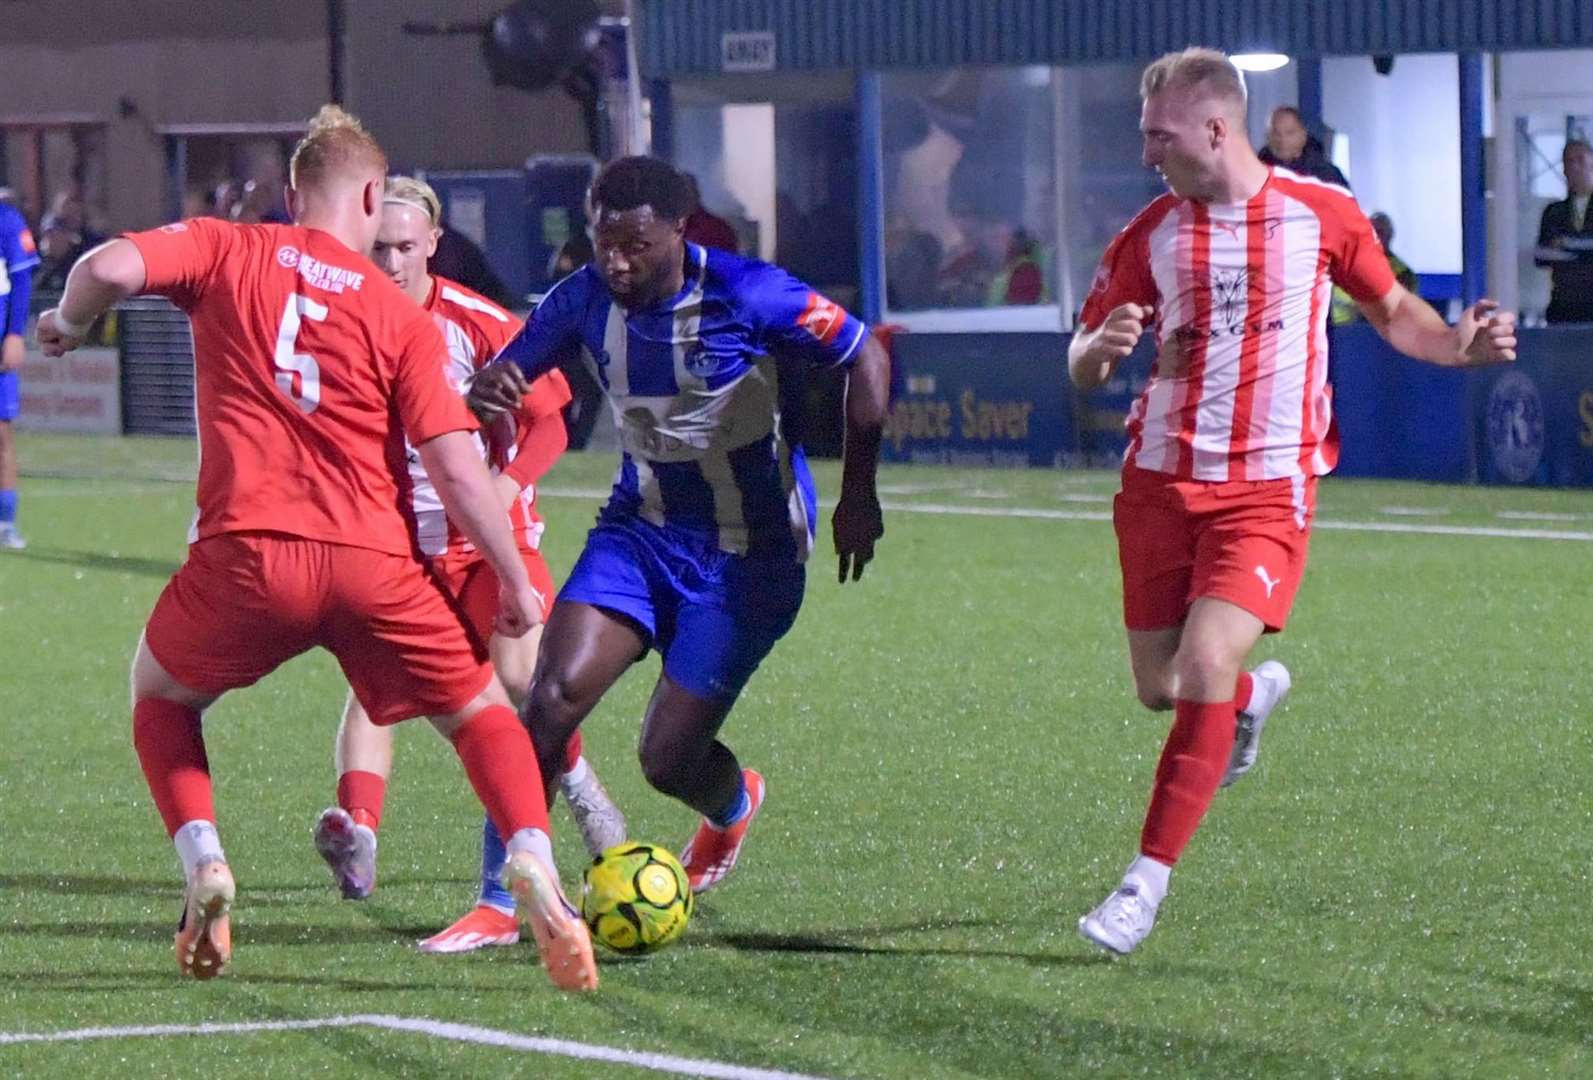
1230	288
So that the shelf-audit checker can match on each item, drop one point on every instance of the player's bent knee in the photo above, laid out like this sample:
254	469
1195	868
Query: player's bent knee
514	659
491	694
1153	694
150	680
1206	671
552	704
665	772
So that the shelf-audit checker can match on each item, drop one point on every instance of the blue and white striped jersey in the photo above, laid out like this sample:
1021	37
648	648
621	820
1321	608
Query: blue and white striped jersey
705	389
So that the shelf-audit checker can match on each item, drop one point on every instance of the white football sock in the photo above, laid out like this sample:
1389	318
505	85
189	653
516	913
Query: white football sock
576	774
1149	877
535	841
197	841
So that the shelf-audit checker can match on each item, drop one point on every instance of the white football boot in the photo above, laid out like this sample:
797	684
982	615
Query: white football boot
1271	685
1121	922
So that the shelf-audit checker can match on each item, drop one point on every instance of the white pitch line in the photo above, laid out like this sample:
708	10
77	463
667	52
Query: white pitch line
1536	515
436	1029
1413	511
1047	514
1044	513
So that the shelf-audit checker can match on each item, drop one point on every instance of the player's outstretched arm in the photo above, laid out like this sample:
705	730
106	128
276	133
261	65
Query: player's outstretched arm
455	467
1094	354
858	523
1484	334
100	279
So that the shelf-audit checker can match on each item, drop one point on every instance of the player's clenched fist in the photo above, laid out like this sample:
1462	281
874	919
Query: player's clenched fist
1121	331
56	337
1094	353
519	610
1487	333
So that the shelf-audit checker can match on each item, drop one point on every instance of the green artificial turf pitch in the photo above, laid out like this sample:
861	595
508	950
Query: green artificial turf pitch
957	769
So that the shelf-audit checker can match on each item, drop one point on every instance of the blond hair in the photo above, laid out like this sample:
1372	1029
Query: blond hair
1195	70
414	192
336	144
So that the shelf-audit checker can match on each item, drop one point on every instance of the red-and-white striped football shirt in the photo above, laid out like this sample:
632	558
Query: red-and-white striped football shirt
1241	291
475	329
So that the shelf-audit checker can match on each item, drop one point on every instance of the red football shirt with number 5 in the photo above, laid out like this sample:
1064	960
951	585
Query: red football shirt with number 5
310	369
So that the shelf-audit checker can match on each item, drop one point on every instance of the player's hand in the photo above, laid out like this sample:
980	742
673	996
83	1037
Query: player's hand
12	353
52	340
508	489
497	389
1121	332
1487	334
857	525
519	610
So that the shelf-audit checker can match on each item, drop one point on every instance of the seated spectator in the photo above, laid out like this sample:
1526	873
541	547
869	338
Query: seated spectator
260	202
1344	309
1021	279
1290	145
1565	240
226	197
912	264
705	228
575	253
67	217
58	250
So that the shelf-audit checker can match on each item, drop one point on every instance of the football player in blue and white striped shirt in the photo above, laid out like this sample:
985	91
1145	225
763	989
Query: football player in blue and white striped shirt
700	550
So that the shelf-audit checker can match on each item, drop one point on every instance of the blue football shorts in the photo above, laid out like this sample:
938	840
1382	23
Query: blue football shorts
713	616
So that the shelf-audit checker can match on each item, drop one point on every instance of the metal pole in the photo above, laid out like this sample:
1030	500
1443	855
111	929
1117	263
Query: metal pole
870	196
336	26
1308	75
635	129
1473	183
660	92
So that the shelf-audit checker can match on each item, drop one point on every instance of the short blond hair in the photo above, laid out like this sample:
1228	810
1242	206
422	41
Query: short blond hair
336	144
1207	72
412	191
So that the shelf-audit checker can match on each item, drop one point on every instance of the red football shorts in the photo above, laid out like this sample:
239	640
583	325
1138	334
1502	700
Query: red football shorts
244	603
1243	541
474	586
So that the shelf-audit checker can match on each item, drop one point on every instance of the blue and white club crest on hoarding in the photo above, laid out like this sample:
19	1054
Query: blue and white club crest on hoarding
1515	426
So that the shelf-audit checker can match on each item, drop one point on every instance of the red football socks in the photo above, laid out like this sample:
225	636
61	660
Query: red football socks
1242	691
362	794
572	750
1192	763
171	751
496	752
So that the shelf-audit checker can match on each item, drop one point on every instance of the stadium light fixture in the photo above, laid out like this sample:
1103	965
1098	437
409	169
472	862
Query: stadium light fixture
1259	61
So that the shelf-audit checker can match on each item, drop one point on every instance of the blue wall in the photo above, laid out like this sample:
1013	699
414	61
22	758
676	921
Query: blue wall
682	37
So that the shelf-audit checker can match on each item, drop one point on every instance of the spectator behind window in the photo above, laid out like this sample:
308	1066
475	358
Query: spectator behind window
704	227
1021	279
1290	145
1344	308
573	254
1565	240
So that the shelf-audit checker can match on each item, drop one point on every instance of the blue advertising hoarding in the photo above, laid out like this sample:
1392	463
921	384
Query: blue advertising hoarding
1005	399
1532	421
